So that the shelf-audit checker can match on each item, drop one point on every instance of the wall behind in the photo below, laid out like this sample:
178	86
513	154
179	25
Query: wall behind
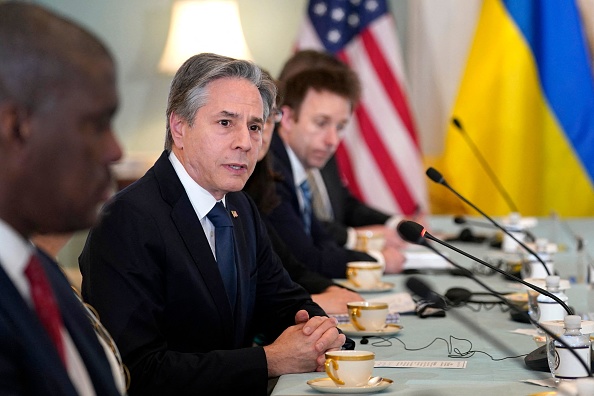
136	31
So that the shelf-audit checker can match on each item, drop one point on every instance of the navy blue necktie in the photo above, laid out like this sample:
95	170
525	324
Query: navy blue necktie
306	214
225	248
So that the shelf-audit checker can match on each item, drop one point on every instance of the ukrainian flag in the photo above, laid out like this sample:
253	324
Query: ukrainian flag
526	101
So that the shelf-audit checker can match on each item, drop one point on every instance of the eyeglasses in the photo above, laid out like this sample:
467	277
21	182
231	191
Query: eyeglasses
275	116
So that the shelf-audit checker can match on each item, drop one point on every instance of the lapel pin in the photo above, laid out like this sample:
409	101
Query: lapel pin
234	214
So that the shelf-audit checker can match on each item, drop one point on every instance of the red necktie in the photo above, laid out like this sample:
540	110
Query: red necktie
45	304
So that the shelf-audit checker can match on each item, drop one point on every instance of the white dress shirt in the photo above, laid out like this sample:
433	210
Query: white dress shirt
202	201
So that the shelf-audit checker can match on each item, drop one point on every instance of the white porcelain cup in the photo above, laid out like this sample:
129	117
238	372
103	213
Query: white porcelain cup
364	274
349	368
368	316
369	240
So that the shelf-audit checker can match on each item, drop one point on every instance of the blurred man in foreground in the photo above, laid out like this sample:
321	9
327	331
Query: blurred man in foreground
57	100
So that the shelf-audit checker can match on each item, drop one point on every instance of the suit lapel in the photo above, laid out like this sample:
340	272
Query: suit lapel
40	356
80	330
192	233
282	165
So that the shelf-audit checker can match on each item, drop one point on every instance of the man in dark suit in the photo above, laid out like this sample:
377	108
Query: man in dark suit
317	105
343	215
57	99
183	320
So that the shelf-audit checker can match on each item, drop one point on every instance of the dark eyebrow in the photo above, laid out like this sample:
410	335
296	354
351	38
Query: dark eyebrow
231	114
258	119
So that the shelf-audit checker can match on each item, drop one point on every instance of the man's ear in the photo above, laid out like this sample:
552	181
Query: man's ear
288	118
177	125
13	123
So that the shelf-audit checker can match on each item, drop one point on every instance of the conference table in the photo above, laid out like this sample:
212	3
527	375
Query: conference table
481	337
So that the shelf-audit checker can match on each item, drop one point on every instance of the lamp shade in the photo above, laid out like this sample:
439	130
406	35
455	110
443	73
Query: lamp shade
203	26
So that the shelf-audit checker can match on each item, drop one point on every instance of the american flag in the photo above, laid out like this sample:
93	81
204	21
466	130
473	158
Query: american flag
380	157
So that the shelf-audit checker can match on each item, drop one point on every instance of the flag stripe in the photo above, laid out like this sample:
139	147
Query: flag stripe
388	125
379	157
389	82
572	96
373	186
502	105
385	165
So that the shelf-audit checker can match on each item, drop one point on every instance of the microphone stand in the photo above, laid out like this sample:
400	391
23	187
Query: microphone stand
485	165
533	287
509	304
463	220
435	176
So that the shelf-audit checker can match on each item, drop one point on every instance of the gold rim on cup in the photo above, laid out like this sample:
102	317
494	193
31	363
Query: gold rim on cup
355	309
332	358
361	355
355	266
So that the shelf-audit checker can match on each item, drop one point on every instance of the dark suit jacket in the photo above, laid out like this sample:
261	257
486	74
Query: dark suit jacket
319	250
148	269
29	363
311	281
348	210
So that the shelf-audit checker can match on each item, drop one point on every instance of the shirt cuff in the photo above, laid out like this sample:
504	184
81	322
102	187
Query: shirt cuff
351	241
393	221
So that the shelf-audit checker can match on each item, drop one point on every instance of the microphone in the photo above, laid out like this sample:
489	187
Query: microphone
415	233
435	176
417	286
421	289
485	165
463	220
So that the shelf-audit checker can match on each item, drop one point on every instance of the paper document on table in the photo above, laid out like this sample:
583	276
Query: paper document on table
457	364
528	332
421	259
397	302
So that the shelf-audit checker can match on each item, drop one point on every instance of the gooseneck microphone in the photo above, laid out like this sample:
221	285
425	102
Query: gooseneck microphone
415	233
485	165
435	176
421	289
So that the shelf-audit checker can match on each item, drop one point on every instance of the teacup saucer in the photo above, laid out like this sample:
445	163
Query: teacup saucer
350	330
381	287
326	385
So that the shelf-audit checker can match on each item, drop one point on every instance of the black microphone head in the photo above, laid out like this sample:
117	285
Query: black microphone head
411	232
418	287
457	123
434	175
459	220
423	291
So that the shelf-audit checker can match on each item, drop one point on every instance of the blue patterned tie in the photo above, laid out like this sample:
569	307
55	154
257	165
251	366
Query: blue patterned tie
225	248
306	214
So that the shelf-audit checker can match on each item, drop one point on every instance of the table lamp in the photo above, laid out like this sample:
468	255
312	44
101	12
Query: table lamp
203	26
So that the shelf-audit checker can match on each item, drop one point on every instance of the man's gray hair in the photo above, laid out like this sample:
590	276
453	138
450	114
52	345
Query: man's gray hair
189	88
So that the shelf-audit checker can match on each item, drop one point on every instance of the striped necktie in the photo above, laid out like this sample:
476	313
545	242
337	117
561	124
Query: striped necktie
45	304
306	212
322	207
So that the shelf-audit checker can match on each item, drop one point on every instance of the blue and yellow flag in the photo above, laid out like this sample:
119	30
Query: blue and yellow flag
527	102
